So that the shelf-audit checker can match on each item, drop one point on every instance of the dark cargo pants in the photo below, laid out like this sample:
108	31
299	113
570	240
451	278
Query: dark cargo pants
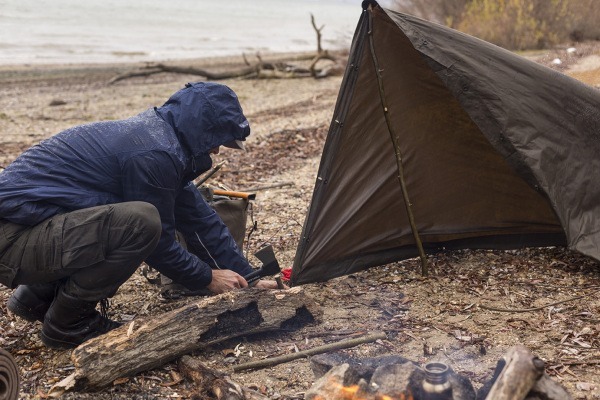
93	250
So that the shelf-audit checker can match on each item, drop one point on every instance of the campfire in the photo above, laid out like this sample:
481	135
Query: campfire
100	361
386	378
395	382
519	375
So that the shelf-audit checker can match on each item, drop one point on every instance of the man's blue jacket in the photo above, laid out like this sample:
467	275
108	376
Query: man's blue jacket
151	157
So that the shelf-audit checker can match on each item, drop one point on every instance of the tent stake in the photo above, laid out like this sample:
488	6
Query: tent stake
411	218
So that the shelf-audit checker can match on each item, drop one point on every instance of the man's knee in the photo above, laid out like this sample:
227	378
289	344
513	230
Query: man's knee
142	216
144	212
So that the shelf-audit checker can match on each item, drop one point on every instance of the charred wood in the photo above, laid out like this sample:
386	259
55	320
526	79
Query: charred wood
149	343
213	384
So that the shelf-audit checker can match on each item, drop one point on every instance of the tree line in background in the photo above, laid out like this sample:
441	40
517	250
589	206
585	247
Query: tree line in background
513	24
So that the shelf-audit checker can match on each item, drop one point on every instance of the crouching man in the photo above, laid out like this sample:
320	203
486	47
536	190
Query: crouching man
81	210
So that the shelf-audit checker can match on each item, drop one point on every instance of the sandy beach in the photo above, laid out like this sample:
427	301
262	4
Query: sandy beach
289	120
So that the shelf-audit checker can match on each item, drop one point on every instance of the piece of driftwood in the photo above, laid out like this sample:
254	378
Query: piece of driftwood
547	389
259	70
148	343
215	384
153	69
335	69
521	372
344	344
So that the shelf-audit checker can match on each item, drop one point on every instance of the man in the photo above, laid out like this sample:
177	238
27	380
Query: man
81	210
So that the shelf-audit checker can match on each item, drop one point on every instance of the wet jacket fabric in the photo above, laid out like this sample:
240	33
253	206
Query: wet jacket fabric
151	157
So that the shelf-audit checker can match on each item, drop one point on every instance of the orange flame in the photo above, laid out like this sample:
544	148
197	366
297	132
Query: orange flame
341	392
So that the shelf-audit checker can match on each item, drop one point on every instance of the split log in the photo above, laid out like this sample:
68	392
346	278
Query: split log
519	375
547	389
148	343
215	383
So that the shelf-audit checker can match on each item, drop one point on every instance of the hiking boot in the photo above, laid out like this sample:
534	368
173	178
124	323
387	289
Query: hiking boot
69	322
31	302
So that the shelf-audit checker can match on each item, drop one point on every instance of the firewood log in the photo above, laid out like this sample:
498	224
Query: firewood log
149	343
214	382
546	388
519	375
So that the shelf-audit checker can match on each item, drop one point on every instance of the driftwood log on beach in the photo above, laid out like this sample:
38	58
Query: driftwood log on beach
149	343
258	70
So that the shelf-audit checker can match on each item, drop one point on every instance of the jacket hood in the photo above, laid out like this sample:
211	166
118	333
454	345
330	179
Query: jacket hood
205	115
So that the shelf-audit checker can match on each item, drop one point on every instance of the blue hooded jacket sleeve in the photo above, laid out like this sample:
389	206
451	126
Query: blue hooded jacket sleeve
204	230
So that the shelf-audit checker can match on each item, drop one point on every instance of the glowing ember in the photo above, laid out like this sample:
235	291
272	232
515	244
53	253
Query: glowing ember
337	391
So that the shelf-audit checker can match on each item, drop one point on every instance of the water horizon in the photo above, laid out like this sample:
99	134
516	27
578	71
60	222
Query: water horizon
109	31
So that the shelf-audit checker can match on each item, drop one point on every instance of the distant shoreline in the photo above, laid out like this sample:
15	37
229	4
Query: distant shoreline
30	73
209	60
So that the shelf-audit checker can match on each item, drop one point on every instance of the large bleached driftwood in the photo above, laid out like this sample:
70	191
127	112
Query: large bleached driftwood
149	343
519	375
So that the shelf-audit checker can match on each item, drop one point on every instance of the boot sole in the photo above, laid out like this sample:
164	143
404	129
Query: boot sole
64	345
22	311
56	343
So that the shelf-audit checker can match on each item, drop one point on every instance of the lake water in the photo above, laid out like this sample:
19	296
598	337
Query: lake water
96	31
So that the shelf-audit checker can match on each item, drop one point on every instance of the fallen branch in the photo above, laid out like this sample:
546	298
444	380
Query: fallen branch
318	31
588	362
344	344
335	69
259	70
149	343
345	332
522	310
215	76
265	187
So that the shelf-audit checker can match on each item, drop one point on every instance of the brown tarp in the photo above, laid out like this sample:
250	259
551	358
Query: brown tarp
496	151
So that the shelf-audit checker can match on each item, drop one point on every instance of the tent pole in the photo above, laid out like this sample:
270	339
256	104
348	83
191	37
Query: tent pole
411	218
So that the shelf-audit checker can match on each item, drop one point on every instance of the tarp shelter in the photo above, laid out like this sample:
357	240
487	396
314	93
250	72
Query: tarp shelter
494	151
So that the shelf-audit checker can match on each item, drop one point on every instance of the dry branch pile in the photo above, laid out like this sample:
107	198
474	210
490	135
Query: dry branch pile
258	70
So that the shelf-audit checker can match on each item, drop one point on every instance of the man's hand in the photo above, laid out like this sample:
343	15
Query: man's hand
225	280
266	284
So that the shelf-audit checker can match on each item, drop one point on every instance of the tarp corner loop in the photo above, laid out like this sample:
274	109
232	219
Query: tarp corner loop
367	3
